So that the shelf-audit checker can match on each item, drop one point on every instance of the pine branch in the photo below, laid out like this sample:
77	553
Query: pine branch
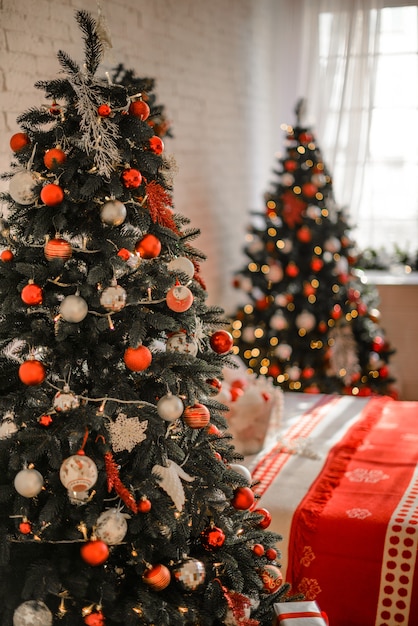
93	45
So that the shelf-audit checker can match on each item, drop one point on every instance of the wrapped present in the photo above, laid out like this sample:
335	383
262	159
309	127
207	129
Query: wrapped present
305	613
255	407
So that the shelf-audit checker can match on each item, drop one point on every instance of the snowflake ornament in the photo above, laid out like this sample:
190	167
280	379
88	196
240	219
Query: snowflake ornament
126	432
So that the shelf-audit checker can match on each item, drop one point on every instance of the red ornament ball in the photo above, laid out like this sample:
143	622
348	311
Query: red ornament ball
124	254
271	554
196	416
140	109
19	141
137	359
179	298
94	552
258	549
290	165
243	498
32	294
236	392
54	157
148	247
144	505
157	577
6	256
292	269
104	110
131	178
156	145
271	577
32	372
221	341
378	344
309	190
266	519
58	249
212	538
317	264
52	194
336	312
304	234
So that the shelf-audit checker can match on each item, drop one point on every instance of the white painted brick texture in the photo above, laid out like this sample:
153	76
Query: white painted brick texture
214	65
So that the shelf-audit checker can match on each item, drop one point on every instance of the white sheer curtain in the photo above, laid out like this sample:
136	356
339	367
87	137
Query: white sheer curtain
342	74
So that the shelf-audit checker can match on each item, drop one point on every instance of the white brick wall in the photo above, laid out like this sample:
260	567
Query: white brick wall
214	65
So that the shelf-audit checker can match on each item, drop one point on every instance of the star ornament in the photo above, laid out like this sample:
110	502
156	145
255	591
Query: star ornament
126	432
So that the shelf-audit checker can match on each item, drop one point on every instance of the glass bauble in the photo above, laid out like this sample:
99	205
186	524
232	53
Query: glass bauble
179	342
73	309
28	483
170	407
189	574
111	526
179	298
65	400
78	473
113	298
32	613
157	577
113	213
181	265
21	187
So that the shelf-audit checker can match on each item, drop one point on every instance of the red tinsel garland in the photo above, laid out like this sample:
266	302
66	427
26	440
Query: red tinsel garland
114	482
237	603
159	203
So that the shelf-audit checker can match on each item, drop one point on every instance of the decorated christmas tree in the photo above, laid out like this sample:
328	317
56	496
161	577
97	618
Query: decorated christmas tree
307	320
123	499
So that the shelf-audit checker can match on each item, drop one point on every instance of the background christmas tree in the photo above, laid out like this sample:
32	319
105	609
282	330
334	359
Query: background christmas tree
308	321
122	497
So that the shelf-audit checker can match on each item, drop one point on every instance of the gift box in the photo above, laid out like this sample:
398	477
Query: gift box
306	613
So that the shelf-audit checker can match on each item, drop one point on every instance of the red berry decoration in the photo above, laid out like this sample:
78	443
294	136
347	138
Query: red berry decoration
196	416
45	420
96	618
52	194
25	527
258	549
32	294
58	249
104	110
157	577
271	577
94	552
137	359
148	247
140	109
179	299
54	157
156	145
221	341
19	141
124	254
32	372
212	538
266	520
144	505
6	256
243	498
131	178
55	108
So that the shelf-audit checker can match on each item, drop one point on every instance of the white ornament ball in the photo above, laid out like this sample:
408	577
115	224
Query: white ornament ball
313	211
305	320
28	482
281	300
111	527
21	187
113	213
332	245
32	613
248	334
287	179
182	264
287	246
78	473
179	342
278	321
319	179
246	284
241	469
275	273
113	298
73	309
283	351
293	372
65	400
170	407
7	427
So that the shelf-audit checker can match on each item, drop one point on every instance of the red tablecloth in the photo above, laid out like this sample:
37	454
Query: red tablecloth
353	535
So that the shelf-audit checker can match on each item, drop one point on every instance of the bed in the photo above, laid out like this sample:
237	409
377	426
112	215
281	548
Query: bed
340	479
